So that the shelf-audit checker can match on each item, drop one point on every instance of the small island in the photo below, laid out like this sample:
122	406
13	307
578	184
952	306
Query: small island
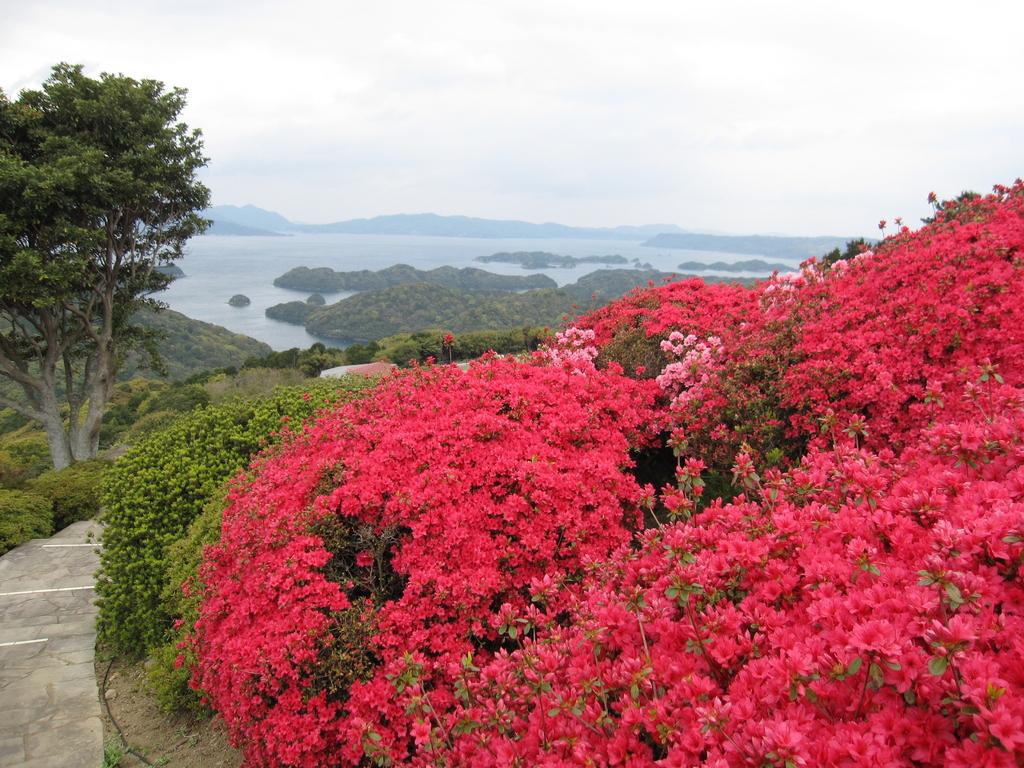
546	260
172	271
316	300
239	300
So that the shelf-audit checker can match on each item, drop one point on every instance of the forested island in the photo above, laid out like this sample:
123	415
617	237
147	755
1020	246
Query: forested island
170	270
295	312
546	260
326	280
414	306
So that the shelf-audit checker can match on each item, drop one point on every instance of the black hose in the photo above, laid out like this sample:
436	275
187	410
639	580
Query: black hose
103	698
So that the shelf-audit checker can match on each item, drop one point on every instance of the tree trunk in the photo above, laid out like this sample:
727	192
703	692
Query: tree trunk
56	435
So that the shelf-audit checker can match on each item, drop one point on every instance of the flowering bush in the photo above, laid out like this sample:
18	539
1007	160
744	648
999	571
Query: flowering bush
694	373
572	348
384	542
452	572
903	329
860	610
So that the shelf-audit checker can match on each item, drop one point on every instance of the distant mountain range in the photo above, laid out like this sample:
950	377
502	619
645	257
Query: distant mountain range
225	227
252	221
249	216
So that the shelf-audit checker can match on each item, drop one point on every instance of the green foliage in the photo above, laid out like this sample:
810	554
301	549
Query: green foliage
73	491
252	382
304	362
326	280
186	346
168	680
24	455
23	516
114	752
604	285
155	491
295	312
409	308
135	400
418	346
98	188
357	354
853	248
147	425
11	420
635	351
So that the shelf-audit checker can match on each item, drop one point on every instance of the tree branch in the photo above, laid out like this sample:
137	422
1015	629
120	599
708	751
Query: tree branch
25	410
85	318
13	371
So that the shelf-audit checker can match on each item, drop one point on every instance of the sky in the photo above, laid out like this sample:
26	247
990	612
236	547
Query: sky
801	118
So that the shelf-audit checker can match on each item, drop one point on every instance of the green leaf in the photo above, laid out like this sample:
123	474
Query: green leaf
854	666
955	596
875	675
938	665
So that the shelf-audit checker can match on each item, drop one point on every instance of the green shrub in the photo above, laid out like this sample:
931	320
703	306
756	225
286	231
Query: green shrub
73	491
11	420
147	425
168	680
252	382
24	454
154	492
23	516
402	347
136	399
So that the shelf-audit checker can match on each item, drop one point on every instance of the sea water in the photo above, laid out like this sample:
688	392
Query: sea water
217	267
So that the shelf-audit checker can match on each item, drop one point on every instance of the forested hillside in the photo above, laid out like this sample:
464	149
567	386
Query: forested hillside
188	346
414	307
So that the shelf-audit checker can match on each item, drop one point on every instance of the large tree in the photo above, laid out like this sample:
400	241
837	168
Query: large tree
98	190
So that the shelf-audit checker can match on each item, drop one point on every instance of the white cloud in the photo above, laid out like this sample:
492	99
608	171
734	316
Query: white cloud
742	116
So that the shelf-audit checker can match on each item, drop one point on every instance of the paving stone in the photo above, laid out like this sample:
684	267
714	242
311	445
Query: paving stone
49	704
67	738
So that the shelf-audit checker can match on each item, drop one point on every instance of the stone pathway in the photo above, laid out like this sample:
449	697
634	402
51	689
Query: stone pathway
49	704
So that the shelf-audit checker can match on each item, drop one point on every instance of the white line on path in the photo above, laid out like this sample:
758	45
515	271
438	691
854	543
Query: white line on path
55	546
39	591
23	642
